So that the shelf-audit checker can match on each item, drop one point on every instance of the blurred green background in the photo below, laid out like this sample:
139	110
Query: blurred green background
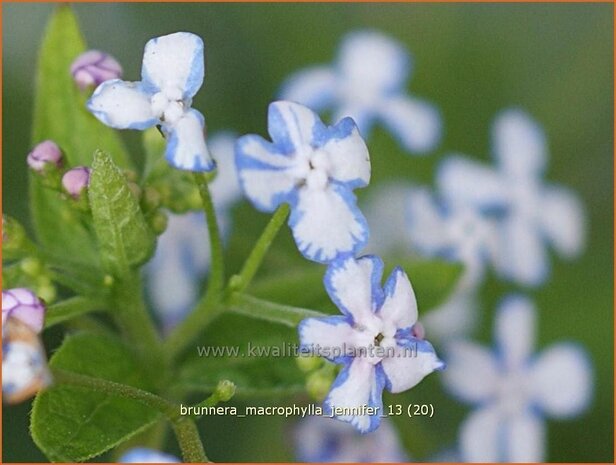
471	61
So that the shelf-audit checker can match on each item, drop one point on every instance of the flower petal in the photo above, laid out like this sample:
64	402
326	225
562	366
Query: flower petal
292	126
262	172
226	188
472	372
454	318
174	61
410	364
347	154
462	180
314	87
354	285
525	438
326	223
521	256
181	260
480	436
400	306
122	105
519	144
415	123
563	221
515	330
186	149
145	455
561	380
359	384
374	61
330	337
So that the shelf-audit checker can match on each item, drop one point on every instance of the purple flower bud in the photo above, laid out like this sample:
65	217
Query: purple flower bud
76	180
47	152
23	305
94	67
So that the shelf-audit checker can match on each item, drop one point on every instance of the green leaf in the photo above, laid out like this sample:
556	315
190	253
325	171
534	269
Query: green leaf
124	237
433	280
264	368
60	115
71	424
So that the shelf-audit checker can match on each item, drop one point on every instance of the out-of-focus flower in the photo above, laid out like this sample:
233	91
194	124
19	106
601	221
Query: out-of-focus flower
24	365
514	389
172	73
23	305
315	169
47	153
367	82
410	220
321	439
373	339
183	253
530	212
452	231
94	67
76	180
145	455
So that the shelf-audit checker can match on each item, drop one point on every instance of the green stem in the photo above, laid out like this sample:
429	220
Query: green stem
253	262
217	267
69	309
212	304
185	428
191	446
132	317
253	307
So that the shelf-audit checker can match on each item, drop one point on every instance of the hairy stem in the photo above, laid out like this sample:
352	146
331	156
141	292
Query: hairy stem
253	262
261	309
217	267
190	443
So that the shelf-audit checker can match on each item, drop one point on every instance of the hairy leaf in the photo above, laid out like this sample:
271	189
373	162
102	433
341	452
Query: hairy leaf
72	424
124	237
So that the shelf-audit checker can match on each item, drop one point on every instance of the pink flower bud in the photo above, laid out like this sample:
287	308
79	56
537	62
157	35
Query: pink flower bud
22	304
94	67
76	180
47	152
418	331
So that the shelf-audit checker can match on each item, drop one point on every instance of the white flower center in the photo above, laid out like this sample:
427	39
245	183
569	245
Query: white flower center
375	338
312	169
168	105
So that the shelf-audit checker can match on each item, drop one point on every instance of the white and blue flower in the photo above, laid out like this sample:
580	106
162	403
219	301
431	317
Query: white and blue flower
315	169
374	339
529	212
324	440
182	257
24	364
514	389
145	455
172	73
367	83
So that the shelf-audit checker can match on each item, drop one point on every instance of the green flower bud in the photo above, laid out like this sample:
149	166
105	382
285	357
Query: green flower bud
158	221
225	390
31	266
151	199
318	384
308	363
